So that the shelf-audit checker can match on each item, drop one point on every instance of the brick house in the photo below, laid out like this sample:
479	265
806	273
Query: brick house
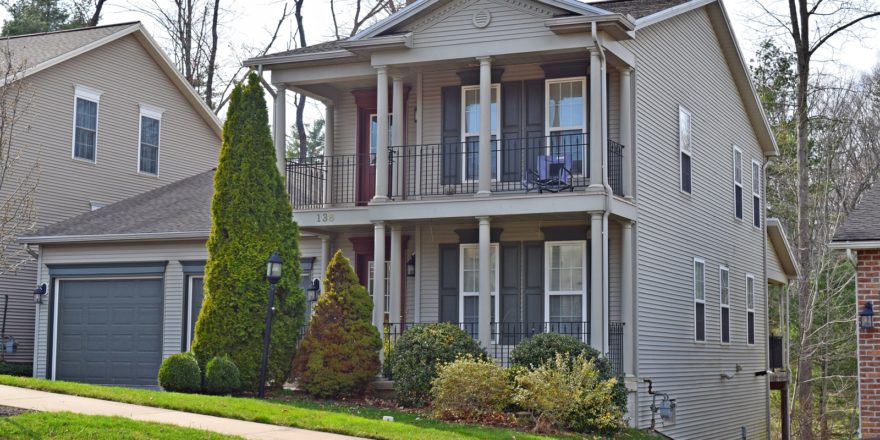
860	237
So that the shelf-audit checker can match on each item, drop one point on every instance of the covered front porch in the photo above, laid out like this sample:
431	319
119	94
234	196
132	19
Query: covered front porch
501	279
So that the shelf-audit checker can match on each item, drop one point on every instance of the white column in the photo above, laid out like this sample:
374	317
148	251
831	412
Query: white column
626	137
419	135
381	134
329	140
595	115
379	276
394	306
417	305
597	317
627	299
325	256
484	316
397	140
279	126
485	153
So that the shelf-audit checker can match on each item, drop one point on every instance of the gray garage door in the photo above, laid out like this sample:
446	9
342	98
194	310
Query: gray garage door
110	331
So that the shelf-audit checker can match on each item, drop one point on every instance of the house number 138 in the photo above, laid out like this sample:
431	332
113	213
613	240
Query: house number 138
326	218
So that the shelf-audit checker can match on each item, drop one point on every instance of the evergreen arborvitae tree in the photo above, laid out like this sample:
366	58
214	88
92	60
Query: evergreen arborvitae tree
340	353
250	218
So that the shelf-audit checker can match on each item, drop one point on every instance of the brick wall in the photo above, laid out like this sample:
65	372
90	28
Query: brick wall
868	289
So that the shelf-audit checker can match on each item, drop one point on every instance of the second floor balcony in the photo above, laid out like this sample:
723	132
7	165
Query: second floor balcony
540	165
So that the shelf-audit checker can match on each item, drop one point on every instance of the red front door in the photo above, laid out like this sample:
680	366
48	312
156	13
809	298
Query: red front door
366	142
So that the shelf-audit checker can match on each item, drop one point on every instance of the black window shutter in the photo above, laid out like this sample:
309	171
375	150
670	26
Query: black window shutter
510	278
751	327
701	321
451	135
511	130
449	283
725	324
685	173
756	210
533	265
738	191
534	120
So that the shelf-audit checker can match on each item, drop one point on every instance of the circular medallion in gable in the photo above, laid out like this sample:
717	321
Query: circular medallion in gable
482	18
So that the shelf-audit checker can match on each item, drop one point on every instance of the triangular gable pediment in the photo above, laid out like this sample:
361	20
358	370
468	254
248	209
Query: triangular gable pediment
458	9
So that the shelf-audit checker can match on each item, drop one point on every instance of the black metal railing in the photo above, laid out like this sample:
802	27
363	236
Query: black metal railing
448	169
777	360
615	167
615	346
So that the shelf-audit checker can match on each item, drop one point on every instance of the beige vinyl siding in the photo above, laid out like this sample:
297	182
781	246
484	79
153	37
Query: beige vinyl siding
127	77
673	228
174	282
508	20
775	272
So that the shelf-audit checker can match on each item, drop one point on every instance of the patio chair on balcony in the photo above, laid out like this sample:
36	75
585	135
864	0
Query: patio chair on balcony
553	174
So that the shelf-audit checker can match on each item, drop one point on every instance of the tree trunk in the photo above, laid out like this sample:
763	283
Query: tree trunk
301	100
212	59
97	15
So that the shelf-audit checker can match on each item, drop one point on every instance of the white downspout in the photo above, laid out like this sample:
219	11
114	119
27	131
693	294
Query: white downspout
606	296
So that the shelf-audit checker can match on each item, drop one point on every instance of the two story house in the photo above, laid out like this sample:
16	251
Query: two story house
523	166
107	116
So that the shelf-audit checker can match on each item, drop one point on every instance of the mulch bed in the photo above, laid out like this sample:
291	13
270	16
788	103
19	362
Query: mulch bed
8	411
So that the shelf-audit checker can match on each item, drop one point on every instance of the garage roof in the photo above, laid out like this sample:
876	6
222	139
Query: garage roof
862	225
180	210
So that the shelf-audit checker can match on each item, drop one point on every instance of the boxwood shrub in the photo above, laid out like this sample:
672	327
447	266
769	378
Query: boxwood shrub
222	376
471	390
542	348
418	353
180	372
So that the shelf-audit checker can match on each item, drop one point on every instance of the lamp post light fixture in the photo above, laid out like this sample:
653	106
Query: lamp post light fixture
39	293
273	275
866	316
313	290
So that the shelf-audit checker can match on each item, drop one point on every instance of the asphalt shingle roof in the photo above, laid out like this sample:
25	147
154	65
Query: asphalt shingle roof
863	223
33	49
182	206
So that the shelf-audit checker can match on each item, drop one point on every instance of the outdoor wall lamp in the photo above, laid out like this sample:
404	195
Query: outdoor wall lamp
313	290
866	316
39	293
273	275
411	266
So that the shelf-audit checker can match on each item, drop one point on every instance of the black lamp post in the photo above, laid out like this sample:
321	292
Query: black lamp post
273	274
866	316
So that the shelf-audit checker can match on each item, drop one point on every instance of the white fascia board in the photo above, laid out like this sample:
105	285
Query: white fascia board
115	237
298	58
671	12
854	245
379	43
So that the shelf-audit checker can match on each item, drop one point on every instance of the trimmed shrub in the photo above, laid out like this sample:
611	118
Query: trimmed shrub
222	376
16	369
339	355
569	394
543	347
250	219
471	390
180	372
418	353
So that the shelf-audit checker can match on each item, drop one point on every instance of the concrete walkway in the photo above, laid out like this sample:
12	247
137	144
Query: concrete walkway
43	401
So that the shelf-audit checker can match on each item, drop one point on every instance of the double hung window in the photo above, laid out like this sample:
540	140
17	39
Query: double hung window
724	283
567	121
470	114
469	306
699	299
756	193
685	149
370	278
737	183
750	309
85	123
148	156
566	281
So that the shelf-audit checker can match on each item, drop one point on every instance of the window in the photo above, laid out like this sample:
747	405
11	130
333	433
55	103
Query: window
756	193
194	298
470	286
387	284
724	283
566	282
699	299
685	148
750	308
85	123
374	129
566	120
737	183
148	157
470	114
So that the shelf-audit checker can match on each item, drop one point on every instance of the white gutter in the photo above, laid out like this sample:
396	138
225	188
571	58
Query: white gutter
115	237
868	244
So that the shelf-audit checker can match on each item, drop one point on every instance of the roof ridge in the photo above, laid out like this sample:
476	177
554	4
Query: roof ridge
62	31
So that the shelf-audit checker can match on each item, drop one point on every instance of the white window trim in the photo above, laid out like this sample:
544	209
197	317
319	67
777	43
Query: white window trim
496	87
92	95
757	179
548	293
721	269
494	296
683	111
548	131
697	300
750	277
152	113
189	300
738	183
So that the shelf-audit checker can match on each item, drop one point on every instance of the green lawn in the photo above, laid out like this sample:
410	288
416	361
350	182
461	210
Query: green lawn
64	425
344	419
